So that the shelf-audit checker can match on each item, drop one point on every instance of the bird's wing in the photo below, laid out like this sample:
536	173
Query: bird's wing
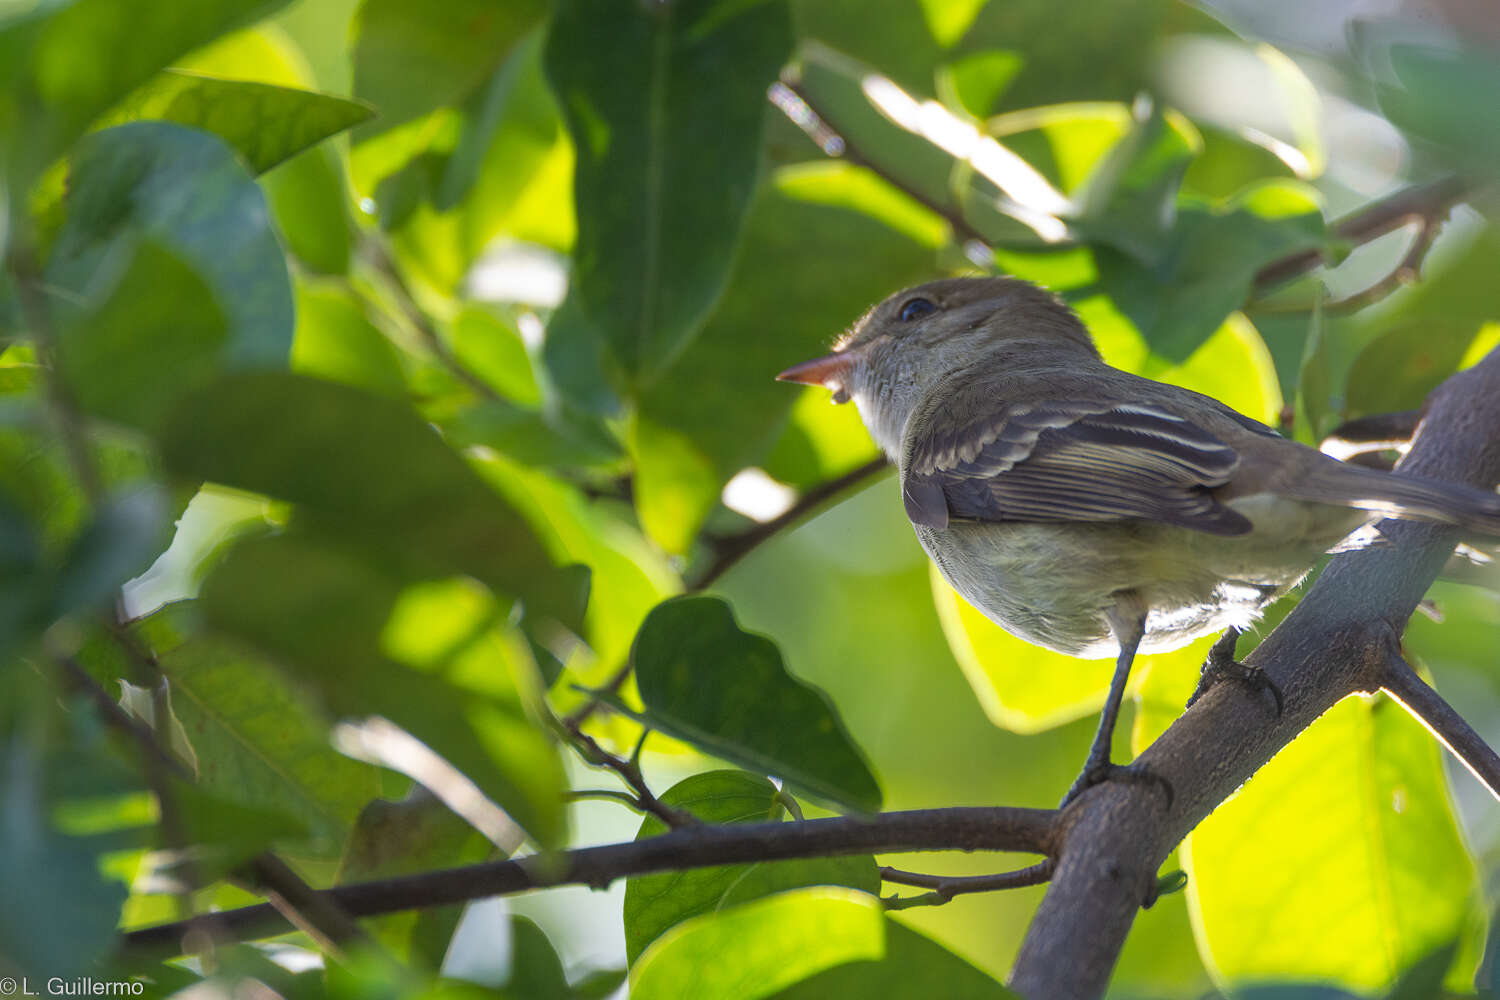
1070	461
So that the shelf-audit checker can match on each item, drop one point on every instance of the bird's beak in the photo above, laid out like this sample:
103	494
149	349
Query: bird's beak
830	371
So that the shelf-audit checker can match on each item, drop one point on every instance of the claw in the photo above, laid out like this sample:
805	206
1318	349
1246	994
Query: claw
1221	666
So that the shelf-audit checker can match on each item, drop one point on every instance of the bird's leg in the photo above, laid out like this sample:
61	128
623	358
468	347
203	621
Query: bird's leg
1221	666
1127	620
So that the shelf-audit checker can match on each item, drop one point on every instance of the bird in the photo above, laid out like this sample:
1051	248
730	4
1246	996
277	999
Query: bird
1088	510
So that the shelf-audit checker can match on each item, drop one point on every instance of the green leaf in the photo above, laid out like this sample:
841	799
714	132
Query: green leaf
410	59
822	242
1130	198
417	833
753	950
914	965
188	191
655	903
974	82
1346	842
536	973
65	66
264	123
1444	95
332	613
369	470
659	209
727	691
256	738
24	580
1208	268
154	330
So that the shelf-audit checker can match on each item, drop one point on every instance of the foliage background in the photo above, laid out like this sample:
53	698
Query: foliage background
578	241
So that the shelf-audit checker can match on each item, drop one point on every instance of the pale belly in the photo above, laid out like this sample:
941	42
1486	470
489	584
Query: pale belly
1049	584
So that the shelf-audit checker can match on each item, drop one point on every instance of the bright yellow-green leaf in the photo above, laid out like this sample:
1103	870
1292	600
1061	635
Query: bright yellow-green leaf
264	54
1340	861
753	950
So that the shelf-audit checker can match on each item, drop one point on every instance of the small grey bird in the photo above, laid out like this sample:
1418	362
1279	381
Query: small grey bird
1088	510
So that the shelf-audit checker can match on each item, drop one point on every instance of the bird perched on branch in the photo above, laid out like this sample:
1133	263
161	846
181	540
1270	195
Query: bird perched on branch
1088	510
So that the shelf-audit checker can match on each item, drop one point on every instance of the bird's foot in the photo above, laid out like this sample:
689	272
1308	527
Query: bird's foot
1098	772
1222	666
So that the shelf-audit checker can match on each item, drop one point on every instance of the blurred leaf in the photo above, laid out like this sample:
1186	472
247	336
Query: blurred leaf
24	582
186	190
727	691
821	441
335	340
1130	198
60	913
1347	844
225	832
914	966
949	19
973	83
67	63
754	949
536	973
265	124
323	609
659	209
417	833
534	437
494	350
823	242
309	201
154	331
1445	95
900	41
128	532
1315	405
366	469
655	903
410	59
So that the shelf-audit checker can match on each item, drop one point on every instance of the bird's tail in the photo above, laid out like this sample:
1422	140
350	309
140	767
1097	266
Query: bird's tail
1397	495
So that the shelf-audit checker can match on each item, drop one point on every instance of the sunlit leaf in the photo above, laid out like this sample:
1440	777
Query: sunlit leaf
755	949
1130	198
914	966
660	209
655	903
1347	844
727	691
335	340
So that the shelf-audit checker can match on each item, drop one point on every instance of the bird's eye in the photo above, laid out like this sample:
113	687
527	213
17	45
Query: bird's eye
915	309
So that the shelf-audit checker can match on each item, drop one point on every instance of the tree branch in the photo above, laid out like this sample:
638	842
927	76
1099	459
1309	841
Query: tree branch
961	829
945	887
1425	204
1340	638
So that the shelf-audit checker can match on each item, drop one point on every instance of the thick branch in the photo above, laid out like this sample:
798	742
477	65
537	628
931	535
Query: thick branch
1338	640
962	829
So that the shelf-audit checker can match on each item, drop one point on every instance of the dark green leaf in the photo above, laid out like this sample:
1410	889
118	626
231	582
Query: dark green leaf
1446	96
226	832
914	965
727	691
327	611
155	331
536	973
659	208
24	581
186	190
1130	198
367	469
654	903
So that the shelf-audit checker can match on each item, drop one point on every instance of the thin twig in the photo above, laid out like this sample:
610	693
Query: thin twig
962	829
945	887
1406	686
629	772
1425	203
